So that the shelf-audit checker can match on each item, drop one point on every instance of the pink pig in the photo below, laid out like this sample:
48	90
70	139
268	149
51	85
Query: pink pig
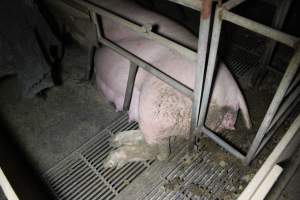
162	112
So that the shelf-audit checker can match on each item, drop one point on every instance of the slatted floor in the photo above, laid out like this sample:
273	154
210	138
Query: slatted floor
82	176
202	179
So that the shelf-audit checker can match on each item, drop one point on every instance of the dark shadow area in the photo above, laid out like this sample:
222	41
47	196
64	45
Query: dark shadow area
18	169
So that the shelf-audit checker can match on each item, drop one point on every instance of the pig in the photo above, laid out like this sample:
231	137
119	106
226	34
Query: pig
162	111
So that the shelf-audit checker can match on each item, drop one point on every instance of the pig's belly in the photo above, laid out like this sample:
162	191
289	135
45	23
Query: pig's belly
111	78
164	112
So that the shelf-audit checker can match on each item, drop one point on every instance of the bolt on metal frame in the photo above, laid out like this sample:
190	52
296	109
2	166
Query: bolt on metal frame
279	107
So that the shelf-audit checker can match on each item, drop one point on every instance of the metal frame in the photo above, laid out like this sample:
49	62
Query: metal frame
275	113
204	73
278	21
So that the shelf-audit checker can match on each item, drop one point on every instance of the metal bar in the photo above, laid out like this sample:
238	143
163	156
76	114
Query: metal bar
204	28
277	125
283	112
280	15
188	53
295	82
278	97
222	143
271	160
201	60
286	104
274	34
149	68
210	66
232	3
130	83
97	25
193	4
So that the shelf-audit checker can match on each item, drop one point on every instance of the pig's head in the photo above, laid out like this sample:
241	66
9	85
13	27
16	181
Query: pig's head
221	118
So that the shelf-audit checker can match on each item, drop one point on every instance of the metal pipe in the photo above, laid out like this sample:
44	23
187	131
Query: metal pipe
232	3
200	67
210	66
278	97
271	160
149	68
285	105
222	143
188	53
277	125
295	82
130	84
193	4
274	34
94	18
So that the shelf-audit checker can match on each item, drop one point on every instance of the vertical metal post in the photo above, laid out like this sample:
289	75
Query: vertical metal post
200	67
130	84
278	21
278	97
96	22
211	65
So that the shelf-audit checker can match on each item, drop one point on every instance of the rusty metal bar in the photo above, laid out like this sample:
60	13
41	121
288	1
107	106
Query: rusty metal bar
130	83
210	66
188	53
278	97
204	28
251	25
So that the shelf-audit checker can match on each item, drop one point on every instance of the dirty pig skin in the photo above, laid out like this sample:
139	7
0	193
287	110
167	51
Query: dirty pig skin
162	112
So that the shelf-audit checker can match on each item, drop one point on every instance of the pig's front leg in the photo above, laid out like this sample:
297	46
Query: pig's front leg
131	137
132	147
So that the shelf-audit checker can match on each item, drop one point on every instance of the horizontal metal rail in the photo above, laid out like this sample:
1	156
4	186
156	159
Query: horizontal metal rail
264	30
193	4
232	3
222	143
140	29
149	68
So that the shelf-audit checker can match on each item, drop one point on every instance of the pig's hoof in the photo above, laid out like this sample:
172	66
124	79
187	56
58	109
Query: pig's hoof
116	159
125	154
131	137
163	150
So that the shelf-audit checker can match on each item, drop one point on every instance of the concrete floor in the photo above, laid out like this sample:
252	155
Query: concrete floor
48	129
